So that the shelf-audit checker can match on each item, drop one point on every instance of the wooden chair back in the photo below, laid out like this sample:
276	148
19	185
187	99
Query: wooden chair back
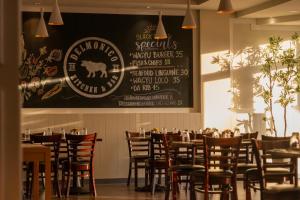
51	141
136	144
173	137
272	168
221	153
195	136
268	138
246	152
81	147
160	149
249	136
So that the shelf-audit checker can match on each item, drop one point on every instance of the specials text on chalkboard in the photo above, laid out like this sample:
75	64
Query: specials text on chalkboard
106	61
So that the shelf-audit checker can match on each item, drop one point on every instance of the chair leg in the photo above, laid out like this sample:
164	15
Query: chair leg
129	173
82	179
28	182
192	189
92	182
175	188
62	189
224	195
234	195
206	196
159	177
248	191
153	184
168	185
146	176
68	182
135	174
56	182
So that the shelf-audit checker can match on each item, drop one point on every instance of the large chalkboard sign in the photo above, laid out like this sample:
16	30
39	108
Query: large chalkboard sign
106	61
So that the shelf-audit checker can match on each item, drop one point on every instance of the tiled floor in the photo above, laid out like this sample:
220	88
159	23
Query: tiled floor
122	192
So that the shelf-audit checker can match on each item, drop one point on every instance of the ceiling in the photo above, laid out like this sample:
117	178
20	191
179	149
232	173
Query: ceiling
266	12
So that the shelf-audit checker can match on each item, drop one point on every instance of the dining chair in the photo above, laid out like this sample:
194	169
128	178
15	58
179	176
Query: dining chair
183	164
220	165
246	160
251	179
277	169
81	151
53	142
159	161
138	151
261	175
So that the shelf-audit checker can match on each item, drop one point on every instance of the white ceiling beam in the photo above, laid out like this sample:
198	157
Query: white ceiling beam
132	4
279	19
260	7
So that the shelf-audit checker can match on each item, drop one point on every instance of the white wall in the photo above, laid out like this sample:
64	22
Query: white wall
112	153
215	40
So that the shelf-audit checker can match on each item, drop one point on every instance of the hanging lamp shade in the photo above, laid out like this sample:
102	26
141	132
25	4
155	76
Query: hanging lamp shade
55	17
225	7
41	29
160	30
189	21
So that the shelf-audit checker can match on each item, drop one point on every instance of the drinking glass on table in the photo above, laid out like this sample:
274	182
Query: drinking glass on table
294	141
27	134
216	134
84	131
188	136
164	130
63	132
142	132
175	130
236	132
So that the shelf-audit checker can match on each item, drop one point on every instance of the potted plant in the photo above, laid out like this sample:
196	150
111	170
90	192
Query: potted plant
281	68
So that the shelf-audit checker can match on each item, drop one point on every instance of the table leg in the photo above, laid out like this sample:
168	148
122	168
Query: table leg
296	172
35	191
48	176
135	174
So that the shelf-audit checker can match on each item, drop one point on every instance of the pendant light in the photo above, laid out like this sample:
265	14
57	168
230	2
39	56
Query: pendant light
55	17
225	7
160	33
189	21
41	29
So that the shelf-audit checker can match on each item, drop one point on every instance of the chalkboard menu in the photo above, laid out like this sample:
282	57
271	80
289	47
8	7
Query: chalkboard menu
106	61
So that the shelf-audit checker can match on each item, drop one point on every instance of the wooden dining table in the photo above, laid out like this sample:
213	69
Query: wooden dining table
37	153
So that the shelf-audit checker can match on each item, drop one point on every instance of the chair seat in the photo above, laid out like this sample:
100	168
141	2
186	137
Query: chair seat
220	173
281	191
281	187
252	175
277	170
139	157
159	163
185	167
243	167
246	165
216	172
